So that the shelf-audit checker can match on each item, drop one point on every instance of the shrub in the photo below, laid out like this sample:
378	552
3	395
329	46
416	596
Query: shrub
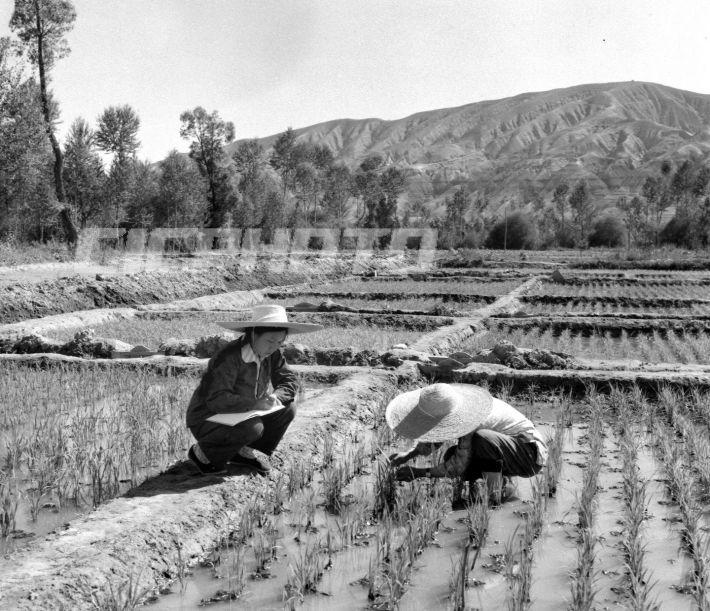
607	231
516	232
678	231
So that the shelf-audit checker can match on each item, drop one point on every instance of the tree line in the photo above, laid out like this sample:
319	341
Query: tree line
572	219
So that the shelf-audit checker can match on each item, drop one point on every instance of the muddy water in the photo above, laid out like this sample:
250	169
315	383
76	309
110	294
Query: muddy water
669	566
555	552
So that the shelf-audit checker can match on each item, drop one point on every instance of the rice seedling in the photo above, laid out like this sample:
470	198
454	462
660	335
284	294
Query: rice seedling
635	504
234	573
583	587
263	555
305	571
9	502
122	596
334	479
385	489
300	474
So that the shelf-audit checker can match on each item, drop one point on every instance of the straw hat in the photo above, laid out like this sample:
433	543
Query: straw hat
439	412
270	316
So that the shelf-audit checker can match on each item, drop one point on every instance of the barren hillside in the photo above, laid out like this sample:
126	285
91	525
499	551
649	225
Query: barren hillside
612	134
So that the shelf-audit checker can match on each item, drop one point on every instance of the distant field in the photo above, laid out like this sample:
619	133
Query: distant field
652	347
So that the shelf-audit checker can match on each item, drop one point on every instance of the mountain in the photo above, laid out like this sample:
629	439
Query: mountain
613	135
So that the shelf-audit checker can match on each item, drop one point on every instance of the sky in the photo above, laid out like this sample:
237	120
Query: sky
266	65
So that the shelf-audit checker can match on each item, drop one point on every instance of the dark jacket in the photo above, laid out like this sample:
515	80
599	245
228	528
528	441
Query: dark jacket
230	385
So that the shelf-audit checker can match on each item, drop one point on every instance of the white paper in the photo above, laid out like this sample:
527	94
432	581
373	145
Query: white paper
231	419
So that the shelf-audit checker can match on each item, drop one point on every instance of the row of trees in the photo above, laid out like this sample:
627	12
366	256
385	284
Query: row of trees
572	219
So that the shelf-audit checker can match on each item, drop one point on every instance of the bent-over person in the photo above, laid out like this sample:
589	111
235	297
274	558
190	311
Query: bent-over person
494	440
249	374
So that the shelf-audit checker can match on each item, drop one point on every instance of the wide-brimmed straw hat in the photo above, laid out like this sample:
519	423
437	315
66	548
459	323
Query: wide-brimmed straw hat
439	412
270	316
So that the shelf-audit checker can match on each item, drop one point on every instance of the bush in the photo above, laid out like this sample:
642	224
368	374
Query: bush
678	232
516	233
607	231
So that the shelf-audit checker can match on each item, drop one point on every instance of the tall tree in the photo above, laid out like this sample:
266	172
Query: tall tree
392	185
583	210
368	189
41	25
25	154
336	193
181	200
559	201
249	162
117	134
209	134
83	172
284	159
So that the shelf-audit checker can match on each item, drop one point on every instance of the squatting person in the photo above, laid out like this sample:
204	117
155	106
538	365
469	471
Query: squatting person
495	441
248	374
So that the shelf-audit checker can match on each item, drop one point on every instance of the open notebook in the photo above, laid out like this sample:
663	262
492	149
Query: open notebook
235	418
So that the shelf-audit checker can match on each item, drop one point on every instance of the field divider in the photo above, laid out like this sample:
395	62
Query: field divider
449	338
133	538
575	380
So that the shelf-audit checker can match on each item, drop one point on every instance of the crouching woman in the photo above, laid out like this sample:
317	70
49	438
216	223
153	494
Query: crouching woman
494	441
249	374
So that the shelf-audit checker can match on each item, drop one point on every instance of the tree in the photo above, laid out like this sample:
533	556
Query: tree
368	189
41	25
25	153
516	232
117	134
284	160
559	201
83	172
180	200
607	231
249	162
209	135
141	194
634	220
336	192
453	230
583	210
391	185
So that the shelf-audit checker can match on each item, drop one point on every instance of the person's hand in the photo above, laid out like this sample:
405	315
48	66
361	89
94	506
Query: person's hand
406	474
398	458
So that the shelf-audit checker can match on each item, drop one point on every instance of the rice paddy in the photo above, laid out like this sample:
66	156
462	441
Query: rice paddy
619	517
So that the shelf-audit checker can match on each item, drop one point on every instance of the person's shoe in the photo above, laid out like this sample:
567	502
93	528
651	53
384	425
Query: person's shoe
508	489
245	457
204	467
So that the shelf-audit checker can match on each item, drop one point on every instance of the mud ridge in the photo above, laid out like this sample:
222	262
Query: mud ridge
612	326
379	296
639	302
576	381
27	300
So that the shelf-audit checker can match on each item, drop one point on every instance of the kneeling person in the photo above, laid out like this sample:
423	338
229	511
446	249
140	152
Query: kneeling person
495	441
237	381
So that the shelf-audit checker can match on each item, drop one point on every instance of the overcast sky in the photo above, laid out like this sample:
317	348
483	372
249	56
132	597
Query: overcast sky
267	65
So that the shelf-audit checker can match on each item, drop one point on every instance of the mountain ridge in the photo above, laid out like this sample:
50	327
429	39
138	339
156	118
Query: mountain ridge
520	147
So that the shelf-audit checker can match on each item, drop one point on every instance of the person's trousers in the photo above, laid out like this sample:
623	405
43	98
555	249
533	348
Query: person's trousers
500	453
220	442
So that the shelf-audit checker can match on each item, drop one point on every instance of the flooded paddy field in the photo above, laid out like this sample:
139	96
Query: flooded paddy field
349	539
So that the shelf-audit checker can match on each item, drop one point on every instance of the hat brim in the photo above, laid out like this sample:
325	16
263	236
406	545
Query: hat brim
292	327
472	405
